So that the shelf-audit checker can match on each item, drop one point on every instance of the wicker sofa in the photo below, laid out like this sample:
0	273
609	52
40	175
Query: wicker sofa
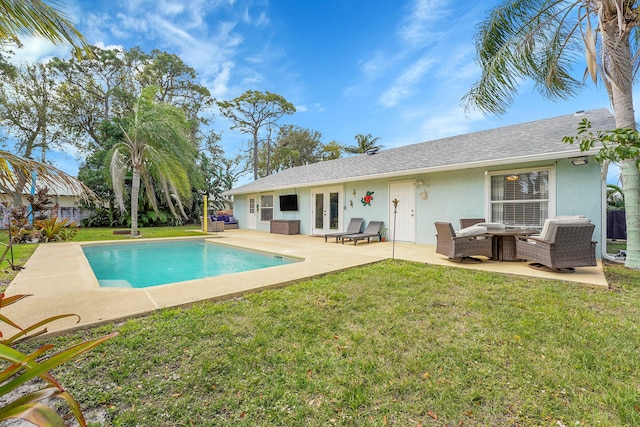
228	220
562	244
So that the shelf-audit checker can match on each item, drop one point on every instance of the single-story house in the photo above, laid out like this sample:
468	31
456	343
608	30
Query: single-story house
518	175
65	204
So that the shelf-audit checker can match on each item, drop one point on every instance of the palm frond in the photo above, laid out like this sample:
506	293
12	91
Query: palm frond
525	39
35	18
12	166
117	163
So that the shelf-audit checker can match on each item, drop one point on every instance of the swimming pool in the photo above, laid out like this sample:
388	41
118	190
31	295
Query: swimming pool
145	264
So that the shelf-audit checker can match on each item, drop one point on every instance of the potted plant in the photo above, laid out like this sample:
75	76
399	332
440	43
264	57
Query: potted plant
383	234
36	235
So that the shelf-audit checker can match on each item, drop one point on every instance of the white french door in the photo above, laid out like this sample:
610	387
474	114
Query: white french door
405	217
326	211
252	212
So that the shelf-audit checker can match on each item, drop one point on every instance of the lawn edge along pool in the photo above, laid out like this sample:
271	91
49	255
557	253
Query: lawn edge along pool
155	263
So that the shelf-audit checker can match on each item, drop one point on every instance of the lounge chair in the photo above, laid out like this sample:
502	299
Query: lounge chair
354	227
372	231
561	246
461	248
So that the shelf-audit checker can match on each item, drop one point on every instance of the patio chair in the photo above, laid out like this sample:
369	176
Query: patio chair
461	248
562	247
354	227
468	222
372	231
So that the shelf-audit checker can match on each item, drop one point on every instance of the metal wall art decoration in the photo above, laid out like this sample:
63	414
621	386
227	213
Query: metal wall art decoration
366	200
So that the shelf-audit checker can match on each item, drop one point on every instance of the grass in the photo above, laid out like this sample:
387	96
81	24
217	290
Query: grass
395	343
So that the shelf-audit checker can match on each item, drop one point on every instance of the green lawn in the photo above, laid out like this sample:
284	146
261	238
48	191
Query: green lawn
395	343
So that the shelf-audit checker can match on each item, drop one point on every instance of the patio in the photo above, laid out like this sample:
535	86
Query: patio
70	286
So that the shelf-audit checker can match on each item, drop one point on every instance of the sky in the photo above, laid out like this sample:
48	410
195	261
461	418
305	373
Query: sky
395	69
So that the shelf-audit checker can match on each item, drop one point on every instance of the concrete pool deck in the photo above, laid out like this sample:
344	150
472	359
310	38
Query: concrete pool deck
60	280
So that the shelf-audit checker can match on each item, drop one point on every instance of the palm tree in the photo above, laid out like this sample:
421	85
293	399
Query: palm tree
542	40
364	143
35	18
156	150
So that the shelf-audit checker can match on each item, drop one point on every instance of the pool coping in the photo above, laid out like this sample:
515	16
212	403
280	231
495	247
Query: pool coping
59	279
283	259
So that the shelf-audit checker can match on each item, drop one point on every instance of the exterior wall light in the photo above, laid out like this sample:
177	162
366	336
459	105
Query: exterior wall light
579	161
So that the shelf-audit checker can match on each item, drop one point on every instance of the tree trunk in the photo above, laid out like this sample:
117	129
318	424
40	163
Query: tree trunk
255	156
631	186
622	99
268	172
135	191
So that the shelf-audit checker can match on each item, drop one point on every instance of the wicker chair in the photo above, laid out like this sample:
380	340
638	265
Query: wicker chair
460	247
468	222
565	247
212	225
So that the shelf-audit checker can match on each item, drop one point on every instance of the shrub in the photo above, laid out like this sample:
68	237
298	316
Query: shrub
55	229
19	224
21	368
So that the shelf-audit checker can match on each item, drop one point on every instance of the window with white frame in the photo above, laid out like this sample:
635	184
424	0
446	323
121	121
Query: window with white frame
266	207
520	198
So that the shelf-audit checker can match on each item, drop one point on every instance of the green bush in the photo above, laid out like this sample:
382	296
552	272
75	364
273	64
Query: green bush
21	368
55	229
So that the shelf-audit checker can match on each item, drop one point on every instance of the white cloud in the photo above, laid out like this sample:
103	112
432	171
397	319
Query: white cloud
126	26
37	49
118	47
449	123
171	8
375	67
219	86
414	29
170	31
252	79
405	82
261	20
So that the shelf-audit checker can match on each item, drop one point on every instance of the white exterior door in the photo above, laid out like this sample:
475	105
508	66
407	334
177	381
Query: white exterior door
403	222
326	211
252	212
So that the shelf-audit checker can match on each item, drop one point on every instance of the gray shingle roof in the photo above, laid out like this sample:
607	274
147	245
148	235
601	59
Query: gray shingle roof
531	141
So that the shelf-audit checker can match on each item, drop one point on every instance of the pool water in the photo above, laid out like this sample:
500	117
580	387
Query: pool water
141	265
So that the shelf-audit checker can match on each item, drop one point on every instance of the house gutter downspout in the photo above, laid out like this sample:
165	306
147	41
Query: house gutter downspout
603	226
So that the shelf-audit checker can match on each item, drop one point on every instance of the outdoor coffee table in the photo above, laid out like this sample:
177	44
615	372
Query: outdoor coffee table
504	243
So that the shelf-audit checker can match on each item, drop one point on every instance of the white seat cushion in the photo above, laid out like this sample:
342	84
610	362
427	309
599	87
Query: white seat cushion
474	230
546	228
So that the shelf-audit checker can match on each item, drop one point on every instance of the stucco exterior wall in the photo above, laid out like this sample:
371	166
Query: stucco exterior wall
446	196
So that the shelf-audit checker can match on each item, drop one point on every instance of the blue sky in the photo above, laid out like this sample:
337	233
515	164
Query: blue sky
393	69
